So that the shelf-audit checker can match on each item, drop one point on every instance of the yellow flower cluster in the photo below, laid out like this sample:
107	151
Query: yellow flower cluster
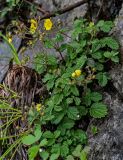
77	73
48	24
33	26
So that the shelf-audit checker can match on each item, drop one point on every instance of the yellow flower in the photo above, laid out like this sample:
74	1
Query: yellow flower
73	74
78	72
38	107
48	24
33	26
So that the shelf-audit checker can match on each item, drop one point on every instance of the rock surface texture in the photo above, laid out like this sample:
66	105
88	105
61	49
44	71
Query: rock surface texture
108	143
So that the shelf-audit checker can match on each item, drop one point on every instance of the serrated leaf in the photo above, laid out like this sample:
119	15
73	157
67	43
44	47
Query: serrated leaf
58	98
44	155
64	150
95	96
102	79
58	117
77	100
81	136
33	151
51	60
54	156
43	142
57	133
105	26
74	90
77	151
110	42
97	55
72	113
98	110
48	134
48	77
81	61
115	59
70	157
108	54
67	123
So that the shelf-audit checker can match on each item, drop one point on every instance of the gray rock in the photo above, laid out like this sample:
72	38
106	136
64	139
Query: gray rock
5	55
108	143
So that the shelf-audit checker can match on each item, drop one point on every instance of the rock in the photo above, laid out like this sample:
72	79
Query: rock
5	55
108	143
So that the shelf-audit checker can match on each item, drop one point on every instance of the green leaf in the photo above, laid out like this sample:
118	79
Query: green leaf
64	150
67	123
81	136
110	42
108	54
99	66
33	151
48	77
81	61
70	157
44	155
57	133
51	142
51	60
77	151
58	98
69	100
56	148
115	59
82	110
97	55
102	79
48	134
43	142
77	100
94	129
83	155
72	113
54	156
28	140
58	108
58	117
98	110
105	26
49	43
50	84
37	132
96	45
95	96
74	90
